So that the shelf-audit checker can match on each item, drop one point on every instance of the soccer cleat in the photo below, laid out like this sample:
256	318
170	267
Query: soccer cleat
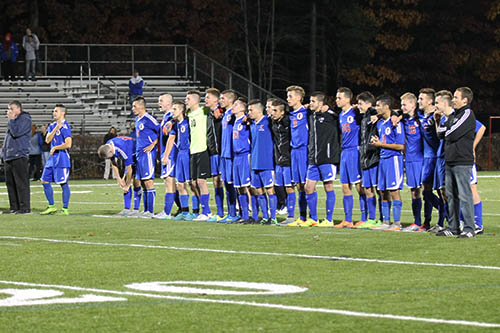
413	228
146	215
394	227
478	229
229	219
163	216
309	223
367	225
202	217
445	233
296	223
382	226
63	211
325	224
50	210
287	221
212	218
248	221
181	217
264	221
123	213
344	225
134	213
273	221
467	234
435	229
282	211
359	224
219	218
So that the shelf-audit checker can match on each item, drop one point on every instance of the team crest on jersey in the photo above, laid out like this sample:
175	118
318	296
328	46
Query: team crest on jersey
240	127
141	126
387	131
300	116
350	119
183	129
58	132
193	122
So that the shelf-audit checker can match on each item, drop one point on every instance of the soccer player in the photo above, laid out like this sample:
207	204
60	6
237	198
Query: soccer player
241	152
350	173
262	166
324	154
478	205
56	169
431	143
369	156
414	158
227	99
146	127
391	141
299	140
120	151
214	132
167	160
199	160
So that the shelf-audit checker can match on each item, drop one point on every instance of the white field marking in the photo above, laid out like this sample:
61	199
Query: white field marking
489	176
264	305
277	254
28	297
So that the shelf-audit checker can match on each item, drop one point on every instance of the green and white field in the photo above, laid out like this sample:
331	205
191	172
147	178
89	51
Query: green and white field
89	273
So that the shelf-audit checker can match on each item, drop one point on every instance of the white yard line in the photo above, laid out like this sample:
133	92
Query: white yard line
276	254
262	305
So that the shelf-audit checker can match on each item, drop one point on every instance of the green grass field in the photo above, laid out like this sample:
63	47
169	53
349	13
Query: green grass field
74	273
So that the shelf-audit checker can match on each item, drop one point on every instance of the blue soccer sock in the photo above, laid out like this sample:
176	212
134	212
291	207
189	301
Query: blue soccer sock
244	206
231	199
416	207
396	210
219	200
330	205
362	206
386	211
150	198
303	206
371	203
66	193
254	201
49	193
127	199
262	199
169	202
195	204
205	207
478	214
137	197
348	204
184	201
290	204
312	203
273	205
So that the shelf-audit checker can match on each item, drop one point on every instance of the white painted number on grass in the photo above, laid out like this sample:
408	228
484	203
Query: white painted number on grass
26	297
249	288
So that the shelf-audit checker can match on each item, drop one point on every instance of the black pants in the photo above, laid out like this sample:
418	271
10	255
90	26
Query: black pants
8	70
18	185
35	166
281	196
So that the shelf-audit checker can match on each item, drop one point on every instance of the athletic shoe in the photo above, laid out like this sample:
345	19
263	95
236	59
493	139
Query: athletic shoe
273	221
383	226
229	219
123	213
220	218
445	233
212	218
413	228
23	212
63	211
147	215
344	225
182	217
50	210
296	223
134	213
359	224
367	225
193	216
163	216
478	229
435	229
325	224
202	217
248	221
287	221
282	211
309	223
394	227
467	234
264	221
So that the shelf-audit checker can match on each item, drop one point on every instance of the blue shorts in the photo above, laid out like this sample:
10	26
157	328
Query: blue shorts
473	176
226	168
145	165
215	168
262	178
168	170
323	172
241	170
349	166
390	173
370	177
439	174
428	170
413	173
55	175
182	174
299	165
283	176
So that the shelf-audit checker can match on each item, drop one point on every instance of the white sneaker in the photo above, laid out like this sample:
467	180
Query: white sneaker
162	216
134	213
123	213
282	211
146	215
202	217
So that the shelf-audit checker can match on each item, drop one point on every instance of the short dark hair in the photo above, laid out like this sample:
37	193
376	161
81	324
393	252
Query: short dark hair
140	99
319	95
280	103
446	94
385	100
243	100
16	103
271	99
213	91
194	92
429	92
181	103
231	93
62	107
366	97
466	93
346	91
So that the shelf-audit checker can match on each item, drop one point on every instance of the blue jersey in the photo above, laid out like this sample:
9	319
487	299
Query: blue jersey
414	144
124	147
181	132
241	136
165	128
262	145
146	129
478	126
440	151
349	125
60	158
389	134
431	141
227	134
299	128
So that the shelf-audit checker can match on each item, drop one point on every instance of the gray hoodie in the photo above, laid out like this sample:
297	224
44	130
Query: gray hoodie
31	47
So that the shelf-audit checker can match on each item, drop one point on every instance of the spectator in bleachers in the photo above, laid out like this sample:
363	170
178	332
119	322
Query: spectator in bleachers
135	85
30	45
38	68
35	153
8	53
107	166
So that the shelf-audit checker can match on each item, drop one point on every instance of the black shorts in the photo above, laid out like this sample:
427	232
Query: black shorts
199	165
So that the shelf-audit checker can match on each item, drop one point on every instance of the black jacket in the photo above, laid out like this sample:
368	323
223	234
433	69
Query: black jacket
281	139
17	137
214	130
458	133
369	155
324	138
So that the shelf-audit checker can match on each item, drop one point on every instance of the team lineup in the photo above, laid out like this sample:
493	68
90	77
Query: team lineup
268	156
